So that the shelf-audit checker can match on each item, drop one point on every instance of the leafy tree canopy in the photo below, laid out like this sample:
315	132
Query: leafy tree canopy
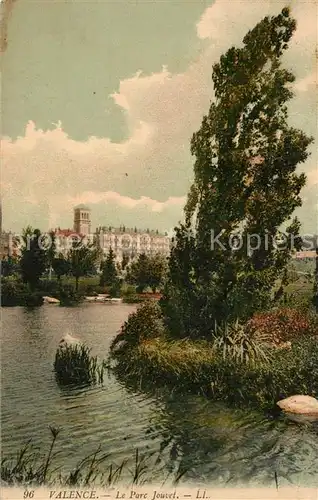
245	183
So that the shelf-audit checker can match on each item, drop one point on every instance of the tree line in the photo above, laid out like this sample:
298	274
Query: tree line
82	259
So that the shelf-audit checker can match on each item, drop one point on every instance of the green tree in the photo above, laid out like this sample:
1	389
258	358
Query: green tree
60	266
157	270
138	273
125	261
82	260
245	183
109	274
33	260
147	272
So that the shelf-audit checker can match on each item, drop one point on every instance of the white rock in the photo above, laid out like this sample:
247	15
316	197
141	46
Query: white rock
300	404
69	340
50	300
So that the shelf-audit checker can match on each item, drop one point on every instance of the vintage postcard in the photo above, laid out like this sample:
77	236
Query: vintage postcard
159	249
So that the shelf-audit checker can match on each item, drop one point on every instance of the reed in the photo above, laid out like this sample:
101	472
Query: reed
29	467
74	365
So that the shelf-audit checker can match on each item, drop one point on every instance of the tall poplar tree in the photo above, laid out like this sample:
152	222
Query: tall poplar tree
245	183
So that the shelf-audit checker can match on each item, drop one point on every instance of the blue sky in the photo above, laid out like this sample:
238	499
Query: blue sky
100	100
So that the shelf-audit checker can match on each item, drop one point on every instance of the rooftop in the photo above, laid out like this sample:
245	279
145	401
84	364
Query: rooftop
82	207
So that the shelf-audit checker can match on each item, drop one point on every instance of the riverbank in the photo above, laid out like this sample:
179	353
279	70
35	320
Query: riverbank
278	357
16	293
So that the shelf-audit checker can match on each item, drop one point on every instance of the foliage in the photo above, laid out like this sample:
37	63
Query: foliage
245	184
33	299
196	366
109	275
147	271
9	267
125	261
13	292
235	342
49	287
68	296
115	289
82	260
33	260
16	293
60	266
281	325
74	365
143	324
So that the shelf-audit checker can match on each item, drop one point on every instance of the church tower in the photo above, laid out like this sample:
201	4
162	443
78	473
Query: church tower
82	220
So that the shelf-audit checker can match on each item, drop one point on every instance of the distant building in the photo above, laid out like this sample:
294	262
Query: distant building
130	242
82	220
64	239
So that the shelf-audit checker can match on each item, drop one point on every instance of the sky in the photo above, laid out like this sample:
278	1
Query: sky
100	99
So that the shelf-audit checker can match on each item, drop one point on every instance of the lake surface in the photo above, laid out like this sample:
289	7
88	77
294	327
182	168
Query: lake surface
217	446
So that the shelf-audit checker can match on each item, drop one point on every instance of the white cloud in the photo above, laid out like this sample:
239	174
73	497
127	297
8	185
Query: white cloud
149	173
91	198
306	83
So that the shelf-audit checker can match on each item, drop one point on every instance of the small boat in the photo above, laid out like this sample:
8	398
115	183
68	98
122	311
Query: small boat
50	300
299	404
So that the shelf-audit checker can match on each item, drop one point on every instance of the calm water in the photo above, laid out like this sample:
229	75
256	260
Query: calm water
216	445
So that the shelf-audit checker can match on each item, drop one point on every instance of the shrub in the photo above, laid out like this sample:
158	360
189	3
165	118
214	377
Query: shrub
33	299
93	290
235	342
49	287
13	292
145	323
128	290
281	325
74	365
114	290
129	295
68	296
196	366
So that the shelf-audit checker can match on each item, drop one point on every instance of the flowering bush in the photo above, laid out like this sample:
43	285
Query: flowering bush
281	325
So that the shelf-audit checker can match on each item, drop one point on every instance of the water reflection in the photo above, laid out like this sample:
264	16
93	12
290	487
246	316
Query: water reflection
208	443
205	441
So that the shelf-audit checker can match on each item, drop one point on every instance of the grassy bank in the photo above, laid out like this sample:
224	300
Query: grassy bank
273	357
195	366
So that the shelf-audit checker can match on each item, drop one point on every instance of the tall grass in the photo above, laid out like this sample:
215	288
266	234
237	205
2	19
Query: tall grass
31	468
74	365
201	368
236	343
